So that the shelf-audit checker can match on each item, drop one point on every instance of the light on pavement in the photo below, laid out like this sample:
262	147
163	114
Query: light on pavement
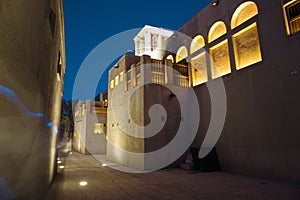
83	183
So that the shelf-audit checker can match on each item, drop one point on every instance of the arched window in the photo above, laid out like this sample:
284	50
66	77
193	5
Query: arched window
182	53
246	41
197	43
243	13
219	53
170	57
199	68
217	30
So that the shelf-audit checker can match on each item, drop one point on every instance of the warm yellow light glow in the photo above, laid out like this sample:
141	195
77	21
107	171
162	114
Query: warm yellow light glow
220	61
199	69
170	57
217	30
61	167
59	162
98	128
117	80
112	84
197	43
182	53
83	183
104	165
246	47
58	158
292	16
243	13
157	72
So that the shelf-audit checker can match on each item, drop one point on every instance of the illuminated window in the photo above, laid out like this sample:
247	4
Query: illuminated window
243	13
181	75
199	71
121	76
59	68
219	53
77	113
158	72
83	110
292	16
98	128
182	53
117	78
75	133
217	30
246	42
197	43
246	47
170	57
220	61
112	84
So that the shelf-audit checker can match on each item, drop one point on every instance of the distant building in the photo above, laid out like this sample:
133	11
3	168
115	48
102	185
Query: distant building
130	72
90	121
33	63
102	95
132	118
254	47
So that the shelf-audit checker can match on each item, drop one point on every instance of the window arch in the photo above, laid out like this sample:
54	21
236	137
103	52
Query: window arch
243	13
219	53
170	57
198	62
182	53
217	30
246	43
197	43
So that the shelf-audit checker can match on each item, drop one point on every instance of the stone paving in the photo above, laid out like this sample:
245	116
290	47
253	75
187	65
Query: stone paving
106	183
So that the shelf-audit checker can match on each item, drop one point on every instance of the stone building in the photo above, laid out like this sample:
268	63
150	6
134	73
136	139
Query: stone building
90	121
253	48
132	119
32	67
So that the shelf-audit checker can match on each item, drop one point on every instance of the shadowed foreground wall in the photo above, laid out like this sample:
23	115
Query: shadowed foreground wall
32	66
261	132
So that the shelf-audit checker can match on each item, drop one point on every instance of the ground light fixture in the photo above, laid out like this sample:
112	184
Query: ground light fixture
104	165
61	167
59	162
83	183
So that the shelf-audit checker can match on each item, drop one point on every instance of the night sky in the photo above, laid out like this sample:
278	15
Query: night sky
89	22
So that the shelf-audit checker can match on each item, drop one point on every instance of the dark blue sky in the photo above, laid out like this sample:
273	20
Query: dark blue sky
89	22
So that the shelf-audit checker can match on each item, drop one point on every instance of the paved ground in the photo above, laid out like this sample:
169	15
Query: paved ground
106	183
